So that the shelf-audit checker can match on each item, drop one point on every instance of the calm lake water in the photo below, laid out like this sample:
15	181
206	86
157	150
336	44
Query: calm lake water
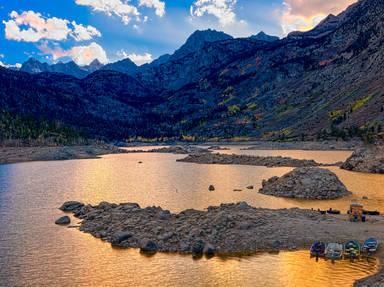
36	252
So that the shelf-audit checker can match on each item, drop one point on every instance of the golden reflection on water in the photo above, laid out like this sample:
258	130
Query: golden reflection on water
35	252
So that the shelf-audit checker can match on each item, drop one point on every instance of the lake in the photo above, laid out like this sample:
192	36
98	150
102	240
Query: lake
36	252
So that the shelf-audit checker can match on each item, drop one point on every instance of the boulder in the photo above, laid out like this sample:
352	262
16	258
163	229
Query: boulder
148	246
165	215
306	183
71	205
120	237
64	220
369	159
198	247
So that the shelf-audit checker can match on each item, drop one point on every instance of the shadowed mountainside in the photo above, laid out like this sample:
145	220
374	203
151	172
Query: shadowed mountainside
322	83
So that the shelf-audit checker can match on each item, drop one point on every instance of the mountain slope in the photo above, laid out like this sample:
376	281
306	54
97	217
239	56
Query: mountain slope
34	66
113	108
305	85
322	83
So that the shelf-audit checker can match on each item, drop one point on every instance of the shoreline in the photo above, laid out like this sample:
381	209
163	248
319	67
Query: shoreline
264	145
375	280
10	155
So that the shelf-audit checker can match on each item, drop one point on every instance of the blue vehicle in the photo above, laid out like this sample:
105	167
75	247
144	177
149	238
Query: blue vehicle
318	249
371	245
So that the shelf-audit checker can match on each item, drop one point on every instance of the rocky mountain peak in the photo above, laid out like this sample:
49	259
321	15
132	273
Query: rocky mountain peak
198	39
123	66
261	36
93	66
34	66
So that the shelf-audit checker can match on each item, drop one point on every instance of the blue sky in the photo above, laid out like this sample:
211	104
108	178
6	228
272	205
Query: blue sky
110	30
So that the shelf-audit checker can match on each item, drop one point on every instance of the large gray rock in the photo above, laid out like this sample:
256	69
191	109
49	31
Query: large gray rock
306	183
120	237
71	205
369	159
63	220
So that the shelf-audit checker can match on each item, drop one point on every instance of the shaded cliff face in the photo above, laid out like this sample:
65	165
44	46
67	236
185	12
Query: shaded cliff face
324	82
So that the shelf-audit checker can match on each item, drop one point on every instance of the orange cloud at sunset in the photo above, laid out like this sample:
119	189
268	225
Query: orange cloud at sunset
303	15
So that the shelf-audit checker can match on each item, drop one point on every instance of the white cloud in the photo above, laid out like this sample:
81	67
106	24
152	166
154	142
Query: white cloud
123	9
82	55
223	10
84	33
158	5
119	8
303	15
15	66
136	58
31	26
37	29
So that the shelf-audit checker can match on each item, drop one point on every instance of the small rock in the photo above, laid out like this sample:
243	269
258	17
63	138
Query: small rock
276	244
184	247
365	197
63	220
243	205
250	187
148	246
120	237
211	188
165	215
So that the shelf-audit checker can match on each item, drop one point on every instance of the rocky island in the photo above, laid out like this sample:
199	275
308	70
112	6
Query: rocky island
369	159
174	149
228	228
305	183
268	161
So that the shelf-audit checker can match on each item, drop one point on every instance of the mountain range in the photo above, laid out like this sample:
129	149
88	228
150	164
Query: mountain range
326	82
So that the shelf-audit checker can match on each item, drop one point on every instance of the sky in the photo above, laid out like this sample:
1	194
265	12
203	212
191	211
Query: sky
142	30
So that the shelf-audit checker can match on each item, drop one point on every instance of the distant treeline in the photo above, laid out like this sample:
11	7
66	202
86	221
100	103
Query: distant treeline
18	130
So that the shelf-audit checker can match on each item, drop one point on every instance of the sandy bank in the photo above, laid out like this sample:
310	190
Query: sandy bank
24	154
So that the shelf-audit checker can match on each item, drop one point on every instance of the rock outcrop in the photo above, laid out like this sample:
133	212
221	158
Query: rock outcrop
306	183
183	149
71	205
269	161
228	228
369	159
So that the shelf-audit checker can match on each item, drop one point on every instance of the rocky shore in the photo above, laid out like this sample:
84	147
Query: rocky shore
42	153
306	183
268	161
376	280
228	228
369	159
304	145
184	149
